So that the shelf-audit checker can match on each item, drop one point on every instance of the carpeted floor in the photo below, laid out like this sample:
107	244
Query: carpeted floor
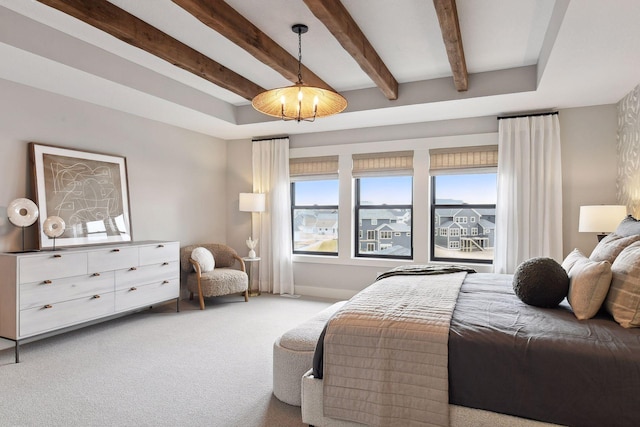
158	368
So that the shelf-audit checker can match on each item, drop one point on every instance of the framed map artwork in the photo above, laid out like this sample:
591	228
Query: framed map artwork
86	192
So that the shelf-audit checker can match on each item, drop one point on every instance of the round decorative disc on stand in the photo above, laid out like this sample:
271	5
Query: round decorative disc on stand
22	212
53	226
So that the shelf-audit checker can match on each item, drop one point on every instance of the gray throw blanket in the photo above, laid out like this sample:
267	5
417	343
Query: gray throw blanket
385	351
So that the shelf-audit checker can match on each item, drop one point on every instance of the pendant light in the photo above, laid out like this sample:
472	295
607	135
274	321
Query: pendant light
299	102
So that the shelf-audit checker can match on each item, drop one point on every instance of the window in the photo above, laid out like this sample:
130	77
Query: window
314	214
463	189
385	202
456	198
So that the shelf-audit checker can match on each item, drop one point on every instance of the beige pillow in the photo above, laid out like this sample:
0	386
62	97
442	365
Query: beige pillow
609	247
571	259
589	283
623	300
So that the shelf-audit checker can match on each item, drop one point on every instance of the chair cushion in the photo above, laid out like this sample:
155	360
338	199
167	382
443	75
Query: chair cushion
203	257
220	281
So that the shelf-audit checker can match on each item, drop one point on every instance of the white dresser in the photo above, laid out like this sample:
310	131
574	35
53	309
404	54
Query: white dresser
42	292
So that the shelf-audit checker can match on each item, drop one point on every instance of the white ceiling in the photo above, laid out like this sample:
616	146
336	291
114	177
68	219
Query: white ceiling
524	55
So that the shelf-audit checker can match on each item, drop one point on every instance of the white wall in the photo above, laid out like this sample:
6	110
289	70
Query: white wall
177	178
589	168
589	175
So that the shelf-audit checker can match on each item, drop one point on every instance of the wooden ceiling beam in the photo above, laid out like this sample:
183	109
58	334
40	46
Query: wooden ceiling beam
132	30
226	21
337	19
450	28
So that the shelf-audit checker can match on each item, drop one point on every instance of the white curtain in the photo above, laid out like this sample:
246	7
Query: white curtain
529	205
271	177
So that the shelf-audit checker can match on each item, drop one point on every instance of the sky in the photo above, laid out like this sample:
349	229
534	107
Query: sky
470	188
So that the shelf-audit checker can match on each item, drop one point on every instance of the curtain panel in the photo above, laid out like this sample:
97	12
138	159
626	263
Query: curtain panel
271	177
529	205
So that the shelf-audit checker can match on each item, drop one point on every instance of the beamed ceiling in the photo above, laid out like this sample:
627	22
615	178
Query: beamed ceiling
197	64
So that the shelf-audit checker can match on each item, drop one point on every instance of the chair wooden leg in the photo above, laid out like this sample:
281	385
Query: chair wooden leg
246	295
190	296
201	301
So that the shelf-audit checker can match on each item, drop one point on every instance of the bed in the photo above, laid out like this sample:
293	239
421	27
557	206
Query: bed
507	363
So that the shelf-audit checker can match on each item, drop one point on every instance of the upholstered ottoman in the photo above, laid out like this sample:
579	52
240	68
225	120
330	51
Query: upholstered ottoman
293	355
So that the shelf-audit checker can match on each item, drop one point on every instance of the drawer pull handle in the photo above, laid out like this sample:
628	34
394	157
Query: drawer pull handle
116	250
48	306
161	246
165	263
95	274
47	282
133	288
57	256
133	268
95	296
164	282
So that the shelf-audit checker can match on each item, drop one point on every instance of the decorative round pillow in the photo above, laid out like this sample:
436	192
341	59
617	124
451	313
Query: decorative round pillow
541	282
22	212
53	226
204	257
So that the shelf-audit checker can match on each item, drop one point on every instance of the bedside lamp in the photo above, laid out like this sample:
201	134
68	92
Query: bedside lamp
252	202
601	219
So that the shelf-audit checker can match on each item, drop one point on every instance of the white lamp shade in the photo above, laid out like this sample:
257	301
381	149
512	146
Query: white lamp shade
601	218
252	202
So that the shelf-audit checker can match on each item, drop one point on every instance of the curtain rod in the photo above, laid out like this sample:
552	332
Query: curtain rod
269	138
551	113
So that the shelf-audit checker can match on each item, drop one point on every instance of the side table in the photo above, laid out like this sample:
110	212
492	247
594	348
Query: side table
251	261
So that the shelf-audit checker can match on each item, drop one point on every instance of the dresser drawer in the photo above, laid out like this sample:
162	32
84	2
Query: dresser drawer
57	290
54	316
142	296
160	252
112	258
146	274
51	266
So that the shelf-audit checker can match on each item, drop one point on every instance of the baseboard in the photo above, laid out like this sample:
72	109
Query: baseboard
314	291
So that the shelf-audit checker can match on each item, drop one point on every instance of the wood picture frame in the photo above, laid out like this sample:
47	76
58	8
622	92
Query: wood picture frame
87	190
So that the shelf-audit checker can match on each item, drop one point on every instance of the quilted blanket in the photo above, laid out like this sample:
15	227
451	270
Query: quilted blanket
385	352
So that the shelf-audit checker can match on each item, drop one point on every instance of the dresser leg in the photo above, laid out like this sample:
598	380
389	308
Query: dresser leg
178	305
17	352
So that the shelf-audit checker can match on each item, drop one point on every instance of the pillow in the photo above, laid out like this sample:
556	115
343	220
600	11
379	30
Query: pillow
628	227
623	299
203	257
571	259
589	283
541	282
609	247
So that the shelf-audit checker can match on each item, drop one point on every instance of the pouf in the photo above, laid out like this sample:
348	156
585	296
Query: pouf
293	355
541	282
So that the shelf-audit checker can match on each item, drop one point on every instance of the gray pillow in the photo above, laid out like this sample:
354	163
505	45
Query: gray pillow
628	227
609	247
589	283
623	299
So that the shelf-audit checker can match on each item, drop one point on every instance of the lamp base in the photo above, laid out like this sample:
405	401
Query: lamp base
601	236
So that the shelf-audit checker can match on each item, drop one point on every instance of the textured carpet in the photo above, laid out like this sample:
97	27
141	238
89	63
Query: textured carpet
158	368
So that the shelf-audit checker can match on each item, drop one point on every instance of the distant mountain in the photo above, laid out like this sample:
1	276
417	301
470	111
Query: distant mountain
449	202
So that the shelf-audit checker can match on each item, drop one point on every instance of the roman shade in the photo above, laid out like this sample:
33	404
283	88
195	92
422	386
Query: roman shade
453	160
382	164
302	168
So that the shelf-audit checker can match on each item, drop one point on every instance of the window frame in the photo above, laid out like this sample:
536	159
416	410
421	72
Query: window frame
295	207
357	220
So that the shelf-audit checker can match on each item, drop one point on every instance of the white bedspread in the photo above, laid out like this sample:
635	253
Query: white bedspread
385	353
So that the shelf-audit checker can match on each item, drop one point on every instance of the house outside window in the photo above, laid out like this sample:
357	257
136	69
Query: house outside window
314	205
464	194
